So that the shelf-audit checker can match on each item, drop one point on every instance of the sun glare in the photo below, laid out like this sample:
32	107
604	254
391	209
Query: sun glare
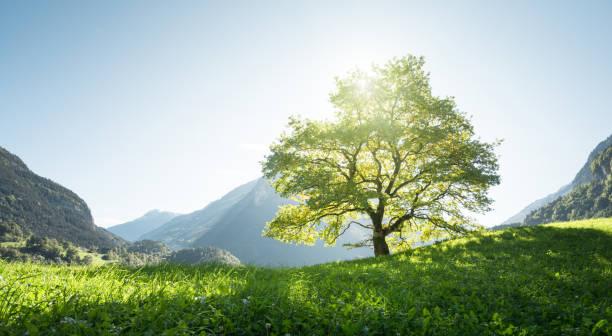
363	85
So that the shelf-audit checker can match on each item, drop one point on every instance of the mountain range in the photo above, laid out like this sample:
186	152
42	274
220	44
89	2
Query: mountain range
132	230
235	223
181	231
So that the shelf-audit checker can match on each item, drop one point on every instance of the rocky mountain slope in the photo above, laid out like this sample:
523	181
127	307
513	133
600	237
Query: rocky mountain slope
42	207
583	176
588	200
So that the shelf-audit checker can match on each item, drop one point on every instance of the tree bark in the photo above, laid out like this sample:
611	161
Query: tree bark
380	244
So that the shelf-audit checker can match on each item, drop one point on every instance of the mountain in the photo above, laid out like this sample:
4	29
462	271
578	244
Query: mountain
589	200
583	176
235	223
182	230
239	231
40	206
132	230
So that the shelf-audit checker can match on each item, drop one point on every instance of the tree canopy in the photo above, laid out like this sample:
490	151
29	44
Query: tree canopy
396	160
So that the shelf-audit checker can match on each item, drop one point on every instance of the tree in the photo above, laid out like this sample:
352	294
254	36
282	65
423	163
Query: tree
403	159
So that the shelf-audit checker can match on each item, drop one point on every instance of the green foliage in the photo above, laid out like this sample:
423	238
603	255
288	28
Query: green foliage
151	247
202	255
140	253
601	167
590	200
541	280
395	153
43	249
10	231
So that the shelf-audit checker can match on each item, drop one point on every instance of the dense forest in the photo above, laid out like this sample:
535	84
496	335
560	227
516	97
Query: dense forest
140	253
46	250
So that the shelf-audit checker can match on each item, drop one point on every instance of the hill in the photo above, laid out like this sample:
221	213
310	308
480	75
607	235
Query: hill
583	176
541	280
202	255
589	200
235	223
42	207
132	230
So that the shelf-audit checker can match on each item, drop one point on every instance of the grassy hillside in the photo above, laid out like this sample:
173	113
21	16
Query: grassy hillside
545	280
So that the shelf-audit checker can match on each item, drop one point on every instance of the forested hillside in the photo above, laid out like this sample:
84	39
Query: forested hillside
583	176
36	205
589	200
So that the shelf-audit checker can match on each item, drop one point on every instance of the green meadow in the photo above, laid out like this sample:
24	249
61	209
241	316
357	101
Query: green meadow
545	280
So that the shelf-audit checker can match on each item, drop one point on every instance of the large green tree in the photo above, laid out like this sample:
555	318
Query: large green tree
396	160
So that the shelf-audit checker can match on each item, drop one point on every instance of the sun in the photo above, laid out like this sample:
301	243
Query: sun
364	86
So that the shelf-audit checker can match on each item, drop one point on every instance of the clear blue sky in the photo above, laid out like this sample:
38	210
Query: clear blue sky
170	104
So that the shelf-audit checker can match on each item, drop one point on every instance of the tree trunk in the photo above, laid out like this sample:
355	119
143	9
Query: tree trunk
380	244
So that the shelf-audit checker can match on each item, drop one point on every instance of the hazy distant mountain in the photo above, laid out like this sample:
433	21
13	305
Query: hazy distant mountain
239	231
583	176
132	230
181	231
235	223
42	207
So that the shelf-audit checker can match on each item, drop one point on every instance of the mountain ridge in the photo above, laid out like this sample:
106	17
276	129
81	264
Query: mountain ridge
235	222
240	232
151	220
583	176
193	224
588	200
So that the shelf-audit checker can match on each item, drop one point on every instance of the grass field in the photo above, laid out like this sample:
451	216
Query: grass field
547	280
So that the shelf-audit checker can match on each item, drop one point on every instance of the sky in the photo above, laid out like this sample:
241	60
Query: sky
140	105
